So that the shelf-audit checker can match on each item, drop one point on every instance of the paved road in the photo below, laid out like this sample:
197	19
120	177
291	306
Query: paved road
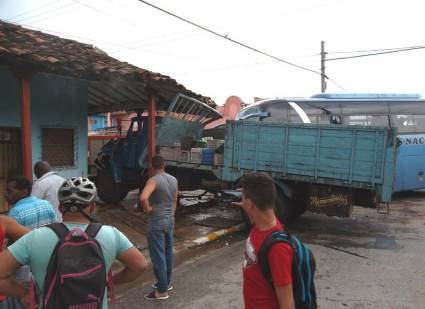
368	261
212	280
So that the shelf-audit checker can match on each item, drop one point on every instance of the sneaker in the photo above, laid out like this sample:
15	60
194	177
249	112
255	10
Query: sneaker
154	286
152	296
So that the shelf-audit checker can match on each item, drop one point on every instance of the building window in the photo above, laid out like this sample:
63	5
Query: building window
58	146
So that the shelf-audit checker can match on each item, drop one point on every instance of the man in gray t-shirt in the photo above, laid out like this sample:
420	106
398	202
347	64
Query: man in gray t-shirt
159	200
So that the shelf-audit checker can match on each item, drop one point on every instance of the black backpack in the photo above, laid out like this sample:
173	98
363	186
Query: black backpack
76	275
303	268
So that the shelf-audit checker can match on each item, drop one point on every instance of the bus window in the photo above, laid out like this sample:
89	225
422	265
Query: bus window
367	120
244	113
420	123
278	110
404	123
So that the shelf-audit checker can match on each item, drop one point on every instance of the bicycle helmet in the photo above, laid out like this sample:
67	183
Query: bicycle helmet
77	192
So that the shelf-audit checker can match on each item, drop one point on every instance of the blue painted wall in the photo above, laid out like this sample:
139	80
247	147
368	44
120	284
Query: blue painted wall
100	122
56	102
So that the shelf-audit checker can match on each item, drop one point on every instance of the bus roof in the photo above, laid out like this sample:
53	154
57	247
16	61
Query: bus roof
367	96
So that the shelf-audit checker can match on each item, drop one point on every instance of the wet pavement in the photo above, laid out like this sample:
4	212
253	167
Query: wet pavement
370	260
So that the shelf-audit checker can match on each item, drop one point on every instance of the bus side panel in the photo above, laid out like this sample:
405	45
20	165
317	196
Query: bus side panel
410	163
339	155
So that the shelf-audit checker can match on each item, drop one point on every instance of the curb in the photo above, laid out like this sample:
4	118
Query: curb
218	234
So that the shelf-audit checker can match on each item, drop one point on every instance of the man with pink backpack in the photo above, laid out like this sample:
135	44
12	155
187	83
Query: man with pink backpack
71	262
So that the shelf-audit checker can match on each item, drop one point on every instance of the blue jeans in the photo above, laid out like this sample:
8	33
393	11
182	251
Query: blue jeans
160	241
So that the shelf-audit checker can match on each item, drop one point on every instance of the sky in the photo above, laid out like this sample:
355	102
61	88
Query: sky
132	31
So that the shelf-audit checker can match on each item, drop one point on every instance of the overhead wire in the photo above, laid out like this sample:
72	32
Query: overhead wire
226	37
32	10
375	54
25	19
371	50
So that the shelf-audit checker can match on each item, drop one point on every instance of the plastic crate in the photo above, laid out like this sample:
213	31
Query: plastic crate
196	155
184	156
207	156
168	153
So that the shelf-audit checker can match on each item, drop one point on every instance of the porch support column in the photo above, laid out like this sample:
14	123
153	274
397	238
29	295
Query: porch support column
25	95
151	132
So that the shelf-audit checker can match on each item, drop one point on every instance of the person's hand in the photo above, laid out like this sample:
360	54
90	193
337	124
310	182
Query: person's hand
237	204
25	300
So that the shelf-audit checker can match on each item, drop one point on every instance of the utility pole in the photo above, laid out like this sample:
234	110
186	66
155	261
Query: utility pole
322	66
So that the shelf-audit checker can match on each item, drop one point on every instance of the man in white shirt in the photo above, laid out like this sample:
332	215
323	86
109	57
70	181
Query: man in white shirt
47	185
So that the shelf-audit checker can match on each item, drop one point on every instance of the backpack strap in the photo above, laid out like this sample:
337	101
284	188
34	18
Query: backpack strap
273	238
92	229
60	229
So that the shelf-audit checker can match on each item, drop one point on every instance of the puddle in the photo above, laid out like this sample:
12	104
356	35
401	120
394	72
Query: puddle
384	242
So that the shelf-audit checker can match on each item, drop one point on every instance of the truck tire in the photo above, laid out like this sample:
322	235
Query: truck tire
108	190
288	210
245	219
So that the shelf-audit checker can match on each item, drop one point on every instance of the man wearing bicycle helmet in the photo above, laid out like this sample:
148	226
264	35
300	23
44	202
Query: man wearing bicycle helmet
76	197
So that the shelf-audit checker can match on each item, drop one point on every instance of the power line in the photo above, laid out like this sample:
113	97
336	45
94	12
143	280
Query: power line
31	11
375	54
46	12
228	38
66	34
371	50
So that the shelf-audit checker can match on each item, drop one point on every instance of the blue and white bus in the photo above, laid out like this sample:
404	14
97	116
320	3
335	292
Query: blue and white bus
404	111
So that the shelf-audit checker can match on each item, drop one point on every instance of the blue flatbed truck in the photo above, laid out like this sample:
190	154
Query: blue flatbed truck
321	168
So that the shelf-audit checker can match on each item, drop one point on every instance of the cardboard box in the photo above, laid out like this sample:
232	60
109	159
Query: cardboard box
218	159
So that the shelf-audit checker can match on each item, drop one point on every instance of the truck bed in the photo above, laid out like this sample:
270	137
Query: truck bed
353	156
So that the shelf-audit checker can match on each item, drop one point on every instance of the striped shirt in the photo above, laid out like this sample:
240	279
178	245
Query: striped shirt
33	212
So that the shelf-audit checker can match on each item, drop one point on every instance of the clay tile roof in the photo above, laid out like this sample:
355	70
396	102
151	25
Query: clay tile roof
30	50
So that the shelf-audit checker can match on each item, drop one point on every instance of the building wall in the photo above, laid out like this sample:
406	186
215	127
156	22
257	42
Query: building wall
56	102
97	122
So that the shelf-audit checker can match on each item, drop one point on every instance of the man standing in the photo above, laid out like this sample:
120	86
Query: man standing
258	199
159	200
76	198
47	185
11	230
27	210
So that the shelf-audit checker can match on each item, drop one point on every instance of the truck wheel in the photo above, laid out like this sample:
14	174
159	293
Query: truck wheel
288	210
108	190
283	208
245	219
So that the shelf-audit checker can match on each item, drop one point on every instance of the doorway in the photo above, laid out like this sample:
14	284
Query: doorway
10	159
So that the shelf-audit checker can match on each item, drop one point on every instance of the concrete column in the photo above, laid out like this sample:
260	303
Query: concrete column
25	95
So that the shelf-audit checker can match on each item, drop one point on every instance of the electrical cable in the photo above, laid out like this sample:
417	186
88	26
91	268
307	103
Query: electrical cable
371	50
229	39
375	54
31	11
44	13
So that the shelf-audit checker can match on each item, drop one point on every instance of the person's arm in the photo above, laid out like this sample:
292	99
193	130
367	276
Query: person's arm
175	202
134	265
146	193
13	230
284	296
10	287
37	191
8	264
280	261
